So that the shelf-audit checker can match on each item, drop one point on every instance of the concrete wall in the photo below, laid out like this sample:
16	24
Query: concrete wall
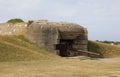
81	40
12	29
43	34
49	34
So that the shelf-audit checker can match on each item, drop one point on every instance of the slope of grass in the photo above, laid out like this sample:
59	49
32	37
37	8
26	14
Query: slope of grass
17	48
21	58
106	50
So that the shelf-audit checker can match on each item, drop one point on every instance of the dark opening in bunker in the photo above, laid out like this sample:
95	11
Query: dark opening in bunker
64	47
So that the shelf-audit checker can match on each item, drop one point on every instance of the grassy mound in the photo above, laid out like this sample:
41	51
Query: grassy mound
106	50
15	20
18	48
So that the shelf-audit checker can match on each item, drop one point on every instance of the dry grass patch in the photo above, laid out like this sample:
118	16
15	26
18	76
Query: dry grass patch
61	68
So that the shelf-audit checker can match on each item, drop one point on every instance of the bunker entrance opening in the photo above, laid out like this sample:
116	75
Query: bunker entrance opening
64	47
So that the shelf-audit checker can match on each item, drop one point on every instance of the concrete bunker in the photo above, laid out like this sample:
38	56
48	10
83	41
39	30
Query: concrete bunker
72	37
62	38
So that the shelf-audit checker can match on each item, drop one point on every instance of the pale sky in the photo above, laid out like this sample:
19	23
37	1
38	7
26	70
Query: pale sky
100	17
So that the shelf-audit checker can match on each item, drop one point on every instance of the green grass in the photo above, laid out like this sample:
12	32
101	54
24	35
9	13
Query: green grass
106	50
18	48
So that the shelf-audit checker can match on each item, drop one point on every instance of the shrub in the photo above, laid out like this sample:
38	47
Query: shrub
15	20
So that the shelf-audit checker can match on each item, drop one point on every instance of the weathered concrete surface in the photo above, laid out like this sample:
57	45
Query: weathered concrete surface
12	29
43	34
49	34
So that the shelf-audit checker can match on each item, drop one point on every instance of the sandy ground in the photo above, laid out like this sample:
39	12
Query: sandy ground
109	59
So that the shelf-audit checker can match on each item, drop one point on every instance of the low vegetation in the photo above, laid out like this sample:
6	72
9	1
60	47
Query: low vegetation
15	20
105	50
110	42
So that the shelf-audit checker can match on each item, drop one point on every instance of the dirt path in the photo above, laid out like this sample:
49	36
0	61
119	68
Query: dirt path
97	59
110	59
79	57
